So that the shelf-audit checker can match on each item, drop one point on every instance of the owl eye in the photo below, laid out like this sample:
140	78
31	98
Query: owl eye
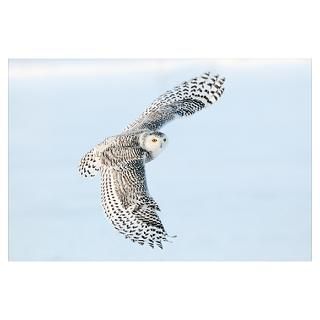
154	140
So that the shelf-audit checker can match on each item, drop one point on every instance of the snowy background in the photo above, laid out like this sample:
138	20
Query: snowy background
233	184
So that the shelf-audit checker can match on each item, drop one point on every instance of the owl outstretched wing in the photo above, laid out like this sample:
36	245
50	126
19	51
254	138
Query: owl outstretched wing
184	100
128	204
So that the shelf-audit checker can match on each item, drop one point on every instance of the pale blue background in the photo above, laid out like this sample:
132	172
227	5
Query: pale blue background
233	184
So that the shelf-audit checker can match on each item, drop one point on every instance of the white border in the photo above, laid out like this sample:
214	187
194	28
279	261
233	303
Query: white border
165	29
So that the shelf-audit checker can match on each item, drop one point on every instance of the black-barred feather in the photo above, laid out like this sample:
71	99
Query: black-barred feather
184	100
127	203
89	164
108	152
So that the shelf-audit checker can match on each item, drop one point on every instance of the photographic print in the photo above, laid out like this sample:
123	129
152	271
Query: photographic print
160	160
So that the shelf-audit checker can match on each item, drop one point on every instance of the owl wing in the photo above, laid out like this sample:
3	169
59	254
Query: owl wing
185	99
89	164
128	204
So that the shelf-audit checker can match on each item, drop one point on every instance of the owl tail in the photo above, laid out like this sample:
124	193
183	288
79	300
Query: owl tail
89	164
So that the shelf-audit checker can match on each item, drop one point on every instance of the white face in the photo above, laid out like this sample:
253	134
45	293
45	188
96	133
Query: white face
155	143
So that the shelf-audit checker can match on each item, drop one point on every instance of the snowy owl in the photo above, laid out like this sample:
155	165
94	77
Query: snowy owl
121	159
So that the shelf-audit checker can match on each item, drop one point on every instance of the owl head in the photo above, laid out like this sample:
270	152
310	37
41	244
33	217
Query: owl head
153	142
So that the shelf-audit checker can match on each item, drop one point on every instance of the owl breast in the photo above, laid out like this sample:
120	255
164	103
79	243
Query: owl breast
148	157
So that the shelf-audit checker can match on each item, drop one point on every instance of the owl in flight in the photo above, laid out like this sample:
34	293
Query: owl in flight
121	159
